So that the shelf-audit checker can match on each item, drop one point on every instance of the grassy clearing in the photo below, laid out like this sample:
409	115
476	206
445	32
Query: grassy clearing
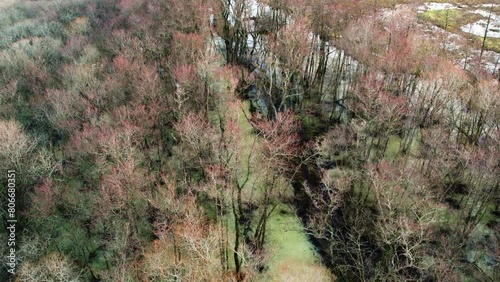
492	44
293	257
248	138
450	20
393	149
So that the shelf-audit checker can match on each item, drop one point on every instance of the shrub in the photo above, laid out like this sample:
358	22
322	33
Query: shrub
53	267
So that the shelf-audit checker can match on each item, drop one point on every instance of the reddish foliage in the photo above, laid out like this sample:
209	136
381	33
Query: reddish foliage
121	64
43	198
291	44
122	183
81	141
197	139
187	48
330	17
103	141
37	76
189	15
184	74
231	73
281	142
375	104
399	53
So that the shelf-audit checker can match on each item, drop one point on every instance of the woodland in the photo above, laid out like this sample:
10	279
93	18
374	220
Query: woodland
251	140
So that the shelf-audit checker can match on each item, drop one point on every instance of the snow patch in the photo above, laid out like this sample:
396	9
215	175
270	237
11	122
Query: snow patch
478	28
485	14
490	5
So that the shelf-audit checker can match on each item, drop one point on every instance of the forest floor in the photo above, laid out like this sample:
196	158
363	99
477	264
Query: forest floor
293	256
290	256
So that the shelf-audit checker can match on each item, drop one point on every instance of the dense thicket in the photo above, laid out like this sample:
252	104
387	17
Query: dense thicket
154	140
